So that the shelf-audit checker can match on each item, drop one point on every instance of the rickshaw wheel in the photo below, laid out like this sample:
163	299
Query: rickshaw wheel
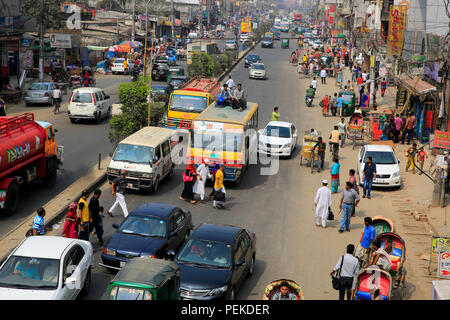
301	158
312	163
354	142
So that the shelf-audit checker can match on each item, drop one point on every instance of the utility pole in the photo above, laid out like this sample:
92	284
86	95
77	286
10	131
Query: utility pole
133	25
150	80
41	43
146	35
173	20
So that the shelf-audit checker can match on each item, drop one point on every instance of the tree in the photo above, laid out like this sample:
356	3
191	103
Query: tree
201	64
134	116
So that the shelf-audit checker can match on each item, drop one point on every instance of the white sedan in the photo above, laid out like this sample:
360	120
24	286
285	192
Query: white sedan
47	268
118	66
317	44
257	71
387	165
278	138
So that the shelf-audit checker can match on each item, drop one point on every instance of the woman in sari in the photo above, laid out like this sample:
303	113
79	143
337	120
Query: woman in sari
70	229
335	176
189	178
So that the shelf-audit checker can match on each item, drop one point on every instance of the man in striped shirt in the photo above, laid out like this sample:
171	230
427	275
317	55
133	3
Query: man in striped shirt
39	227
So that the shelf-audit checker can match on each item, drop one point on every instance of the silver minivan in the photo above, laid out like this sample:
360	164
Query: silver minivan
89	103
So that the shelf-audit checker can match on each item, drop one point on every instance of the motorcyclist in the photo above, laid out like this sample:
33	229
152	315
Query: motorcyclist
310	92
134	72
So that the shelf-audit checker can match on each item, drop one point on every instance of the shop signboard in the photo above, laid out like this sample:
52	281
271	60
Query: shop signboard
441	140
444	265
397	19
60	40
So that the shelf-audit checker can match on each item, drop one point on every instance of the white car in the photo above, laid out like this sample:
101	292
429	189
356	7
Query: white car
278	138
47	268
231	45
257	71
317	44
118	66
387	165
243	37
89	103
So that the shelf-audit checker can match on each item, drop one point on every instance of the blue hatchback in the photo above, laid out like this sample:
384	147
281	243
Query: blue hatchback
150	230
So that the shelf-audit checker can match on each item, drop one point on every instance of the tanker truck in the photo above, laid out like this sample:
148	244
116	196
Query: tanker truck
28	153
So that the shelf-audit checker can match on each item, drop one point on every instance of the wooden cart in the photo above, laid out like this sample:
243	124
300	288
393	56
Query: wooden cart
308	143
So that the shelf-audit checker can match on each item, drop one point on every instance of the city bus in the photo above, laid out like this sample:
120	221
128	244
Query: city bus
225	136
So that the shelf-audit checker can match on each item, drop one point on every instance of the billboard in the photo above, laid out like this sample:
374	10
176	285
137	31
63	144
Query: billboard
60	40
246	27
397	19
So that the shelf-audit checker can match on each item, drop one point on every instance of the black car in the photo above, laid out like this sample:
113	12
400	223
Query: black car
267	43
215	261
251	58
161	92
177	82
160	71
150	230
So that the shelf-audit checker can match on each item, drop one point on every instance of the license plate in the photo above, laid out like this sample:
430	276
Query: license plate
122	264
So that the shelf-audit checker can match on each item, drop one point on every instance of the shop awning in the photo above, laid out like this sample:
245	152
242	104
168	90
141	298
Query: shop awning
417	86
97	48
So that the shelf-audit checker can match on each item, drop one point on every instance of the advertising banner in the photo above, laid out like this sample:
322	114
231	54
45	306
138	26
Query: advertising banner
397	20
60	40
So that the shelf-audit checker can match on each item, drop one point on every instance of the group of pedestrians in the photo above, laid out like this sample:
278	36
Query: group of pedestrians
195	182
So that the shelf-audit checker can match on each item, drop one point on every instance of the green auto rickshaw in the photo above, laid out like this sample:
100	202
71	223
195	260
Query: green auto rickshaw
175	71
285	43
146	279
349	102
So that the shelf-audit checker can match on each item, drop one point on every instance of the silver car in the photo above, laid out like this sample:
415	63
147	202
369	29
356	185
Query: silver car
257	71
40	92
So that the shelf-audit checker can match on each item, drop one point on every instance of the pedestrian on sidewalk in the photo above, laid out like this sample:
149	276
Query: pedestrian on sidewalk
94	208
323	76
118	187
275	114
342	127
411	153
70	229
314	84
325	104
334	140
218	186
354	74
321	146
352	180
230	83
348	265
407	129
349	202
398	124
39	227
84	216
369	175
364	100
368	234
189	179
332	103
335	176
421	155
340	104
203	174
350	66
322	203
383	86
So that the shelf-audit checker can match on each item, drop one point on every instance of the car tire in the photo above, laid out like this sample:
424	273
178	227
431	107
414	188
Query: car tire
52	167
231	294
252	267
155	185
27	103
72	120
170	174
87	284
12	200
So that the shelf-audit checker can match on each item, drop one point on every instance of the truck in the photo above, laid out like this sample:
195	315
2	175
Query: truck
246	26
297	18
187	103
28	153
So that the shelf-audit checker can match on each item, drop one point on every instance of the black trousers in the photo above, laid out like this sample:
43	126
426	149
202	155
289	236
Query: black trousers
346	285
241	104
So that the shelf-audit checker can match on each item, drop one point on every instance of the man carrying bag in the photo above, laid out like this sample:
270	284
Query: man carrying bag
347	268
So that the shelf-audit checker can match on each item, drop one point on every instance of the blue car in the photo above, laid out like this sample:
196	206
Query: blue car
215	261
151	230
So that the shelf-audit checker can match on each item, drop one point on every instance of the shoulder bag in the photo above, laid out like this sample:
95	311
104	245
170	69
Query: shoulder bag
330	214
336	279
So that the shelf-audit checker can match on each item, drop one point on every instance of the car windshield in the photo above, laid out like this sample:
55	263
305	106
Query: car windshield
347	98
144	226
119	61
258	66
216	140
30	273
230	42
206	253
176	82
187	103
82	97
133	153
252	57
381	157
267	39
126	293
280	132
39	86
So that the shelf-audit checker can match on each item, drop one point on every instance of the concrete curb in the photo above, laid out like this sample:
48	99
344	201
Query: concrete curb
54	208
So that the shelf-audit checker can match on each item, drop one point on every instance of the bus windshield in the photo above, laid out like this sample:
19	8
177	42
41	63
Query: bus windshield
217	140
187	103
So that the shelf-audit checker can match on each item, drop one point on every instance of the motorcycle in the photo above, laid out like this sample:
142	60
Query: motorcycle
56	106
309	101
134	74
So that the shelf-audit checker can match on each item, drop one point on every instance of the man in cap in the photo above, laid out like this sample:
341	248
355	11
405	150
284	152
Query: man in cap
119	186
322	202
202	174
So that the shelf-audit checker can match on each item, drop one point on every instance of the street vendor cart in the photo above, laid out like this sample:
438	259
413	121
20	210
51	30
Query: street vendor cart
309	141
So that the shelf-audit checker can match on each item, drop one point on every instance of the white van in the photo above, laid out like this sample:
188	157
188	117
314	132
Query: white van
192	35
89	103
146	156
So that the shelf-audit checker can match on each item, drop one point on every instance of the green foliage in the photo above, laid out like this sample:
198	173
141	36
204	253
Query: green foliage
202	64
221	64
134	116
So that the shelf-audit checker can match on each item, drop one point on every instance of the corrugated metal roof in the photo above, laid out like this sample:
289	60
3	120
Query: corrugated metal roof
149	136
228	114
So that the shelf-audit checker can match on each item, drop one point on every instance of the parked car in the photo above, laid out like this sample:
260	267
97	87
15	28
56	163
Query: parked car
267	42
89	103
177	82
47	268
230	45
161	92
317	44
193	35
388	169
40	92
257	71
251	58
150	231
160	71
215	261
243	37
118	66
278	138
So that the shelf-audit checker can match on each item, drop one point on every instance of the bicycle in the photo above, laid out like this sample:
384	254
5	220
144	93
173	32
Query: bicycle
56	105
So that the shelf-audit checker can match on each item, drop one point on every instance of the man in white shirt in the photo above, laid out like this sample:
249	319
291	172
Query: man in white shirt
322	202
323	75
56	95
381	258
348	265
365	76
314	84
230	83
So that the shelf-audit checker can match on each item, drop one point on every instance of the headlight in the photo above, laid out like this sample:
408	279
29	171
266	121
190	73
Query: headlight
109	252
287	145
396	174
147	175
113	171
217	291
148	256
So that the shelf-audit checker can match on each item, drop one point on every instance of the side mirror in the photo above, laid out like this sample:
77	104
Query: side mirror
71	282
172	234
170	254
180	139
260	131
398	161
294	135
240	262
115	225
